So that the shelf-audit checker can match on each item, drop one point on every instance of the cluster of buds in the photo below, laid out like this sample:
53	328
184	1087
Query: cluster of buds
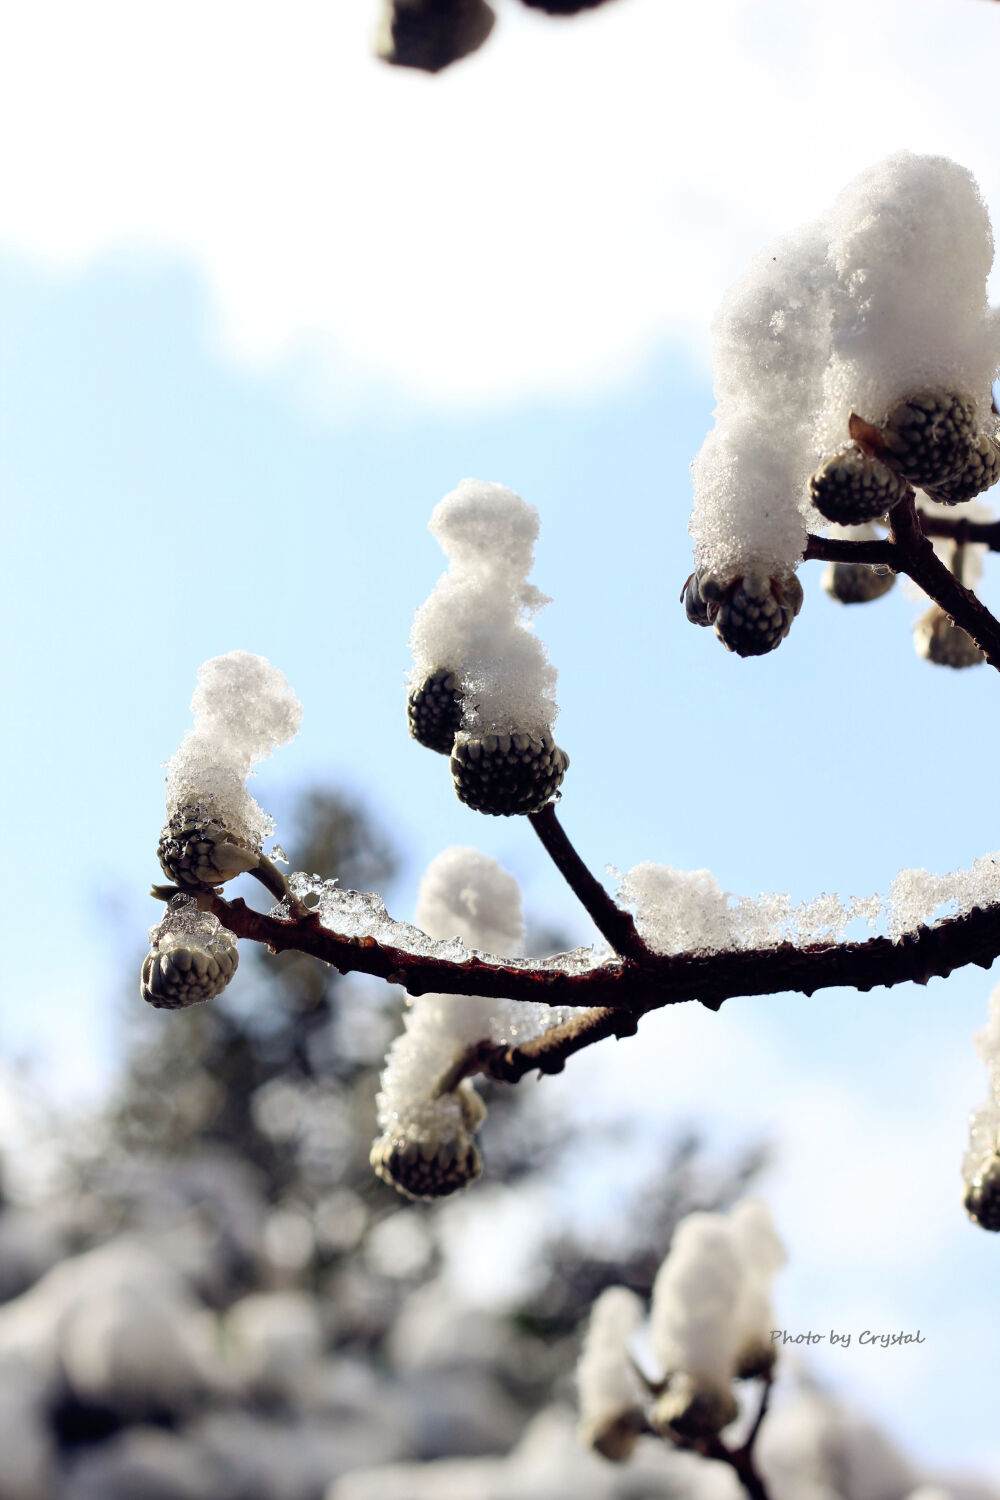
709	1326
751	612
434	1154
482	689
927	441
191	957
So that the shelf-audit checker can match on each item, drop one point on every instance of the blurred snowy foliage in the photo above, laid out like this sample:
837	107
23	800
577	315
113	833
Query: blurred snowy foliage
204	1292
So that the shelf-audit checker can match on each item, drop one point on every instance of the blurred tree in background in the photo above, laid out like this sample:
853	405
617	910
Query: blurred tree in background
222	1300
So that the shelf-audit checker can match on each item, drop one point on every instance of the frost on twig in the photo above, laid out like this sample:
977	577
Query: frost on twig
243	710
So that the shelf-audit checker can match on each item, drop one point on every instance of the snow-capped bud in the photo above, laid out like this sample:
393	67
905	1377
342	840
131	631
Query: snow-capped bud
431	34
939	640
426	1165
853	486
504	774
197	850
434	711
692	1411
611	1396
187	974
980	472
756	612
191	958
856	583
982	1196
927	437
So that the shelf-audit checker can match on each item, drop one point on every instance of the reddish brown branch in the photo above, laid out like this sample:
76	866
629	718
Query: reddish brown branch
985	533
635	988
548	1053
611	922
837	549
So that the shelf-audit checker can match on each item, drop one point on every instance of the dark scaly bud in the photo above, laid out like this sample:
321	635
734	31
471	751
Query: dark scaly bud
980	472
695	607
856	583
427	1165
927	437
432	34
755	612
853	486
434	711
507	774
939	640
982	1196
197	850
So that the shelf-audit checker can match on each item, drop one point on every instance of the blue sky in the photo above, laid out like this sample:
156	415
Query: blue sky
202	452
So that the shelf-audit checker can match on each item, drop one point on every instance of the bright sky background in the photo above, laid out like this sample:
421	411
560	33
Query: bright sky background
263	303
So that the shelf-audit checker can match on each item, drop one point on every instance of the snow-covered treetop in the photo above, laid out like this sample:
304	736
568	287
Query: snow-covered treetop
883	297
476	622
243	710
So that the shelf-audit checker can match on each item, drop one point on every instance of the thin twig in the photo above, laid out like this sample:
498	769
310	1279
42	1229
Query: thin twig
840	549
984	533
611	922
921	562
765	1397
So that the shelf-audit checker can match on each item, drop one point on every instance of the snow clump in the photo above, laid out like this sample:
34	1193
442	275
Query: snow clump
611	1394
710	1323
468	896
476	622
243	710
684	911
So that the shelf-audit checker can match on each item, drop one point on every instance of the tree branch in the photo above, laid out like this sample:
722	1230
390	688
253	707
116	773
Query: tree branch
628	986
985	533
918	558
840	549
611	921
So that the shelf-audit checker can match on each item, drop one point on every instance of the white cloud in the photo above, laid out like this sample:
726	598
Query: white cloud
536	220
